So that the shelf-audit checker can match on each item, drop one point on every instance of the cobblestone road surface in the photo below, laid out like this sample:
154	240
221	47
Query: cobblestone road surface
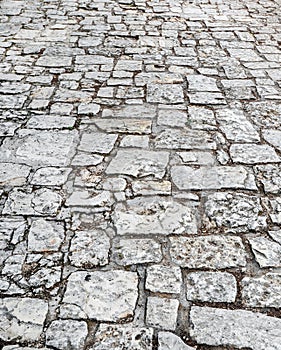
140	174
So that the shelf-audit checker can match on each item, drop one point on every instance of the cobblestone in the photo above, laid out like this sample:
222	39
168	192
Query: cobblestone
140	186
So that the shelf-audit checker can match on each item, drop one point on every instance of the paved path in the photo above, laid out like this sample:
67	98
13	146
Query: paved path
140	173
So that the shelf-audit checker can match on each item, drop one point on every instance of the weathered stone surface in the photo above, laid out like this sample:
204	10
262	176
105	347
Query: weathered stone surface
147	188
235	211
267	252
44	148
136	251
54	61
212	252
270	177
50	176
163	279
169	341
162	312
119	337
102	200
97	142
274	209
201	83
214	287
89	248
43	202
201	118
154	215
135	126
184	139
238	328
264	291
171	117
103	295
65	334
165	93
216	177
22	318
13	174
206	98
145	110
252	154
273	137
45	236
236	127
264	113
139	163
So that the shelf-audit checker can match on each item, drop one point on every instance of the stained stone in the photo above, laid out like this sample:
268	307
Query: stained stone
65	334
147	188
89	248
134	126
206	98
162	313
13	174
165	93
264	291
97	142
103	295
216	177
270	177
44	148
214	287
22	318
236	127
264	113
273	137
139	163
266	252
154	215
237	328
136	251
163	279
185	139
169	341
50	176
235	211
45	236
120	337
211	252
252	154
43	202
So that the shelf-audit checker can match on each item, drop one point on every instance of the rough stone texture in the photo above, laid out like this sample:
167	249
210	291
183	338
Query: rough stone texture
270	177
212	252
163	279
252	154
169	341
264	291
154	215
121	337
97	142
164	93
211	287
65	334
13	174
103	295
22	318
162	312
266	252
238	328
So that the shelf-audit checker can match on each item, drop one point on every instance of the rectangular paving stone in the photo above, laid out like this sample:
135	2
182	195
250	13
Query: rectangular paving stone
235	328
165	93
216	177
97	142
211	252
253	153
13	174
266	251
206	98
54	61
127	126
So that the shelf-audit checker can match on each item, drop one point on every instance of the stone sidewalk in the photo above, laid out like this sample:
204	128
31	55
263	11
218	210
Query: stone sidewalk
140	174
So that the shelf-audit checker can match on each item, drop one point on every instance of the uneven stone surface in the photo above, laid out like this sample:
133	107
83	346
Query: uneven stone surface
140	174
236	328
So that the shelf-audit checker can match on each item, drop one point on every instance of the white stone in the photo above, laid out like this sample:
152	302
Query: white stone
121	125
162	313
103	295
13	174
86	198
201	83
165	93
147	188
88	108
267	252
163	279
251	154
50	176
97	142
169	341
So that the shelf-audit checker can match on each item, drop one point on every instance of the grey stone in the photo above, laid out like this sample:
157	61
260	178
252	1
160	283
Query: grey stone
162	313
163	279
22	318
14	102
213	287
264	113
50	176
13	174
270	177
103	295
206	98
172	117
273	137
237	328
145	110
154	215
51	122
97	142
65	334
201	118
54	61
102	199
139	163
165	93
235	211
215	177
119	337
266	252
88	108
45	236
201	83
89	248
252	154
147	188
264	291
170	341
274	209
8	128
134	126
211	252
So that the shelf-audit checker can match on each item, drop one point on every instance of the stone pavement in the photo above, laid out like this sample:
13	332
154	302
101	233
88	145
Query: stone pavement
140	174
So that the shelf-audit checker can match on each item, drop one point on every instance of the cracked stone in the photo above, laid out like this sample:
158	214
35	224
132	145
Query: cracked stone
154	215
211	252
162	313
163	279
273	137
270	177
266	252
103	295
214	287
